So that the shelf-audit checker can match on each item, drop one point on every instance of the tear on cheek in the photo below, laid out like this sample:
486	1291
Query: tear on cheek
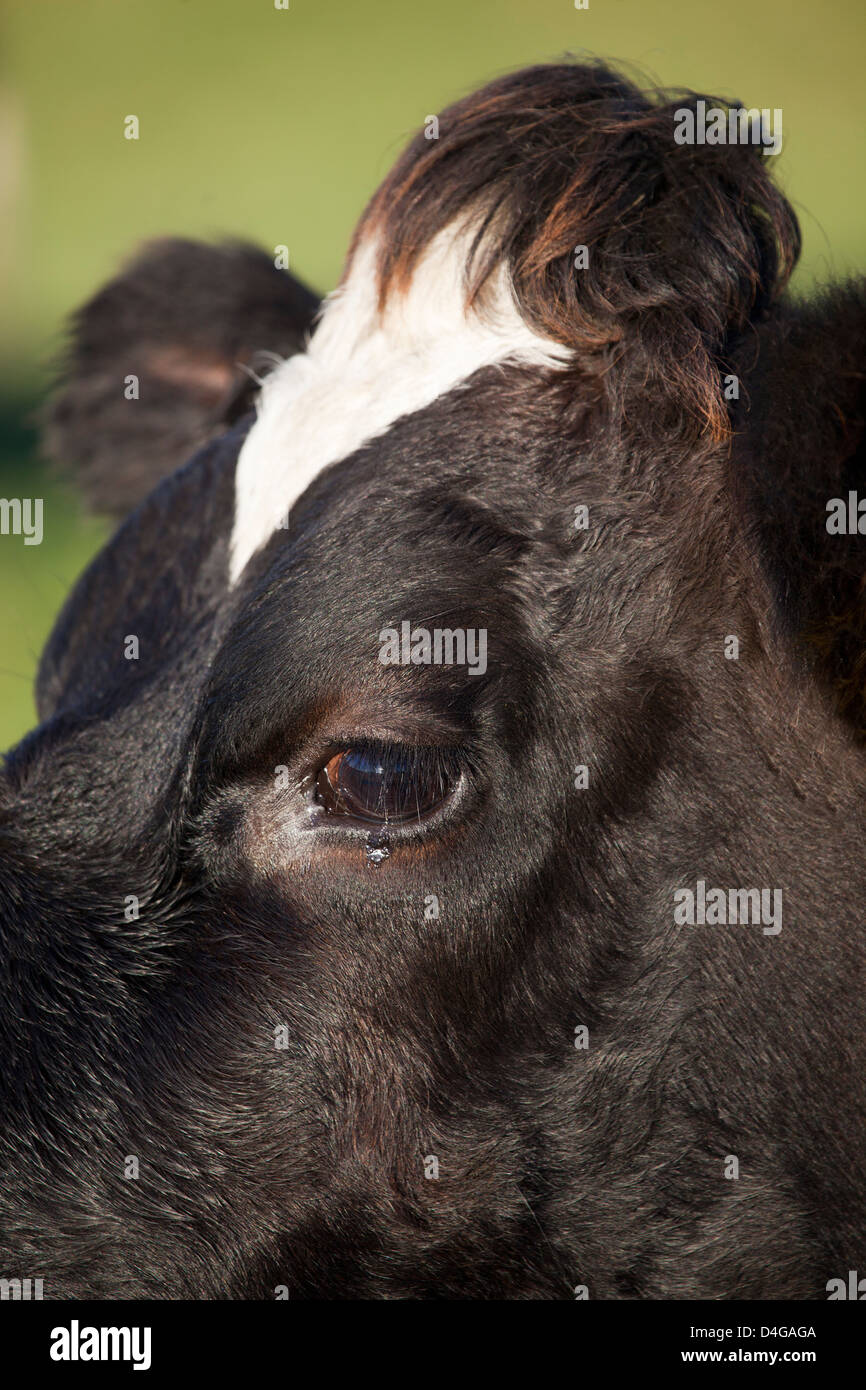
377	848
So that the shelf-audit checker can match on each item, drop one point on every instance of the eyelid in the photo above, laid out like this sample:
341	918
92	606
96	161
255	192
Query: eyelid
407	739
391	752
395	736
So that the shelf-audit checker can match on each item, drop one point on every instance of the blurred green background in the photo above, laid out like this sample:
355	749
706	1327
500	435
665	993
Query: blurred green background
278	124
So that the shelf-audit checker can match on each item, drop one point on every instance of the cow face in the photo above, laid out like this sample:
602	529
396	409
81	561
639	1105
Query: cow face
379	886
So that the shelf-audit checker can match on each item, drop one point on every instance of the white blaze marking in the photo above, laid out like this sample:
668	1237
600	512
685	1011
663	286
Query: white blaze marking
363	370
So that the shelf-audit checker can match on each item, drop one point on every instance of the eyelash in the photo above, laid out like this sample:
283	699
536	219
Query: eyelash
375	783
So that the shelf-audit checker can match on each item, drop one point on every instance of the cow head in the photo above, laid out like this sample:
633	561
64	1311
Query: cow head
345	942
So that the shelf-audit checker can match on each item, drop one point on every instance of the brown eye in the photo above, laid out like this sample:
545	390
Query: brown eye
383	783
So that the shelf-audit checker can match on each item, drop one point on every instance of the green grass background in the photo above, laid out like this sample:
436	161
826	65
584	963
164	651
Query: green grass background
278	125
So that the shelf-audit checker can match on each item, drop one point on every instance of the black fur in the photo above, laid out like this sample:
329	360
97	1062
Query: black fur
453	1037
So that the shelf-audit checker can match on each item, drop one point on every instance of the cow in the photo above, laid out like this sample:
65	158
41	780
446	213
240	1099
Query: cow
437	871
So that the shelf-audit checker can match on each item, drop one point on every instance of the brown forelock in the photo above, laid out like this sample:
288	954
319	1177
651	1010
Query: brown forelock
685	242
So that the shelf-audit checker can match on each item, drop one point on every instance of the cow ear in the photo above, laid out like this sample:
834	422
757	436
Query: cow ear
800	450
164	357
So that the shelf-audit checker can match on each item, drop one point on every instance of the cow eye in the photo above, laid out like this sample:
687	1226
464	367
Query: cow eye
386	782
